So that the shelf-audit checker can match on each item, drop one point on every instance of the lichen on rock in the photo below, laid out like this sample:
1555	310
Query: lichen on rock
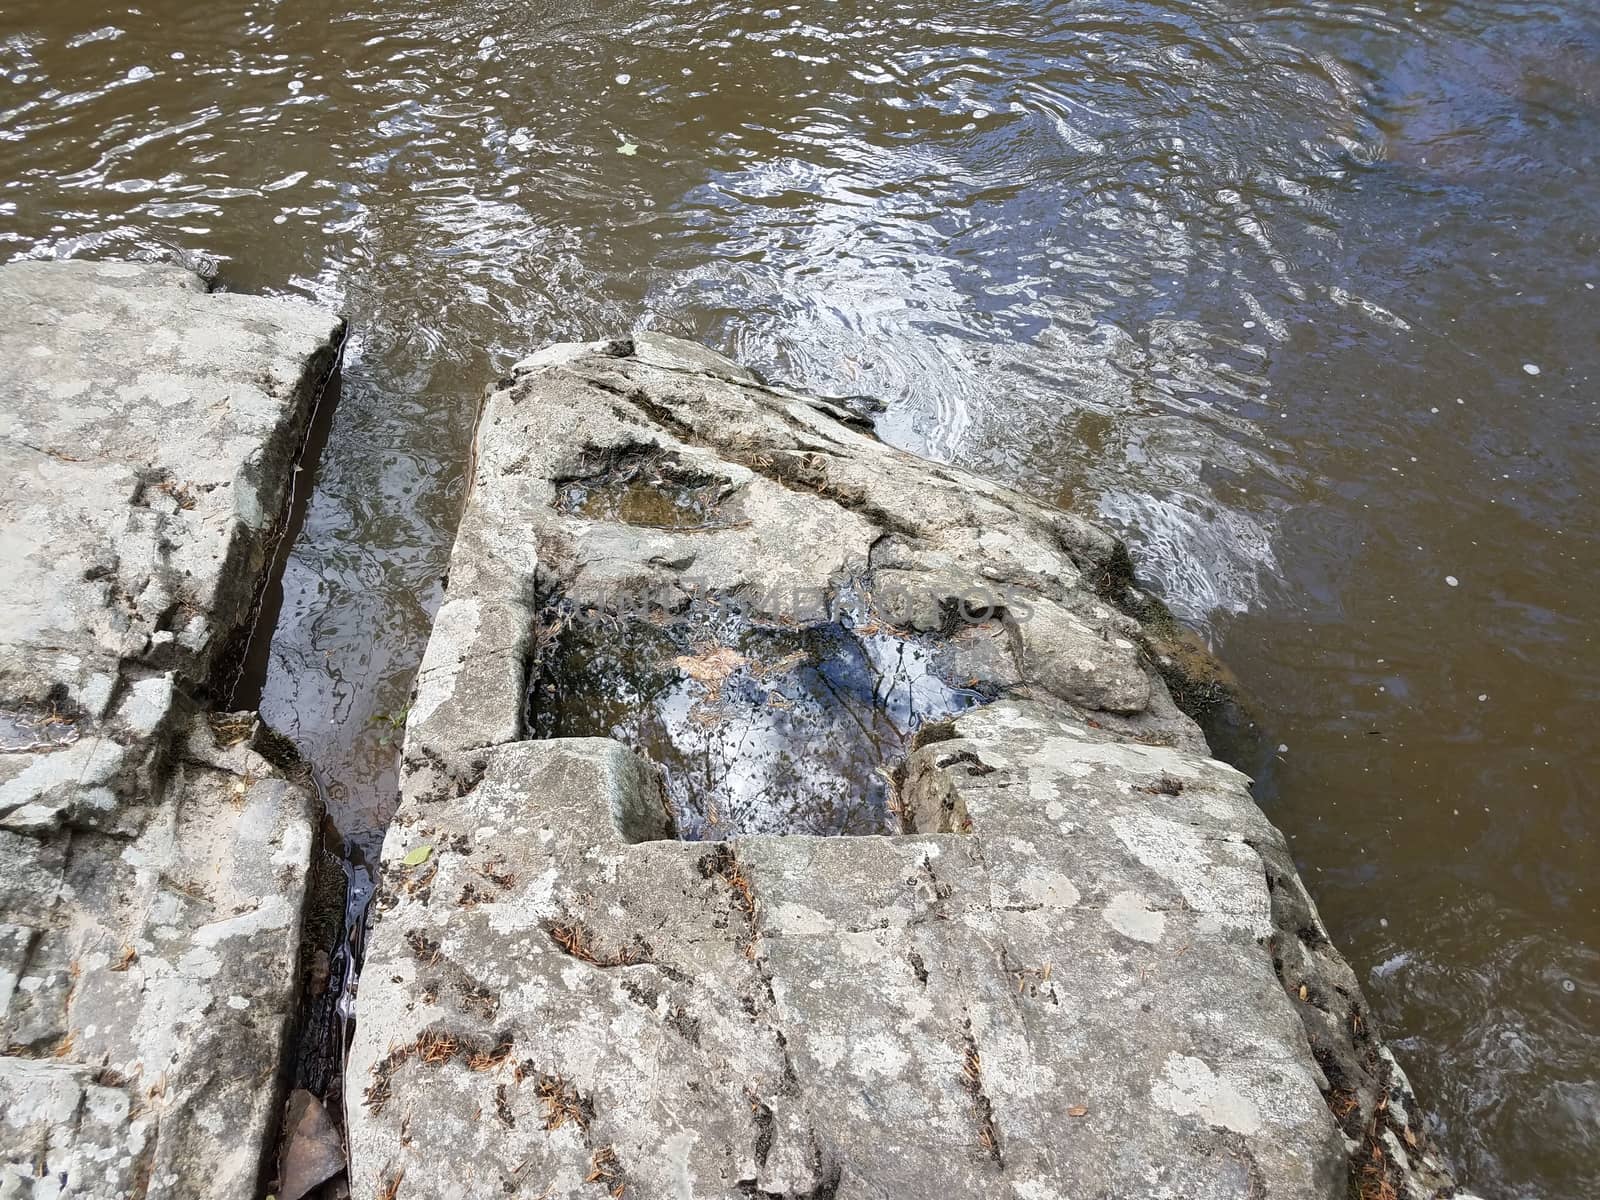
152	861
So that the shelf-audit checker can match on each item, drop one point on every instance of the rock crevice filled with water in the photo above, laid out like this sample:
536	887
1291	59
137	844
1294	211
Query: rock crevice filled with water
785	815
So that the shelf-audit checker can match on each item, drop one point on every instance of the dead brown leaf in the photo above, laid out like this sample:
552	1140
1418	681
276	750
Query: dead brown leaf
313	1151
711	667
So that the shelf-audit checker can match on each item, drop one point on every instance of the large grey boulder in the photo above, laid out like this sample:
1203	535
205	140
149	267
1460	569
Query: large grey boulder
152	862
1064	956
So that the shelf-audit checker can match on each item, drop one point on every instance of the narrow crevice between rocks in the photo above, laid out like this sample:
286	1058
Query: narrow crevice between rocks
242	667
983	1108
327	963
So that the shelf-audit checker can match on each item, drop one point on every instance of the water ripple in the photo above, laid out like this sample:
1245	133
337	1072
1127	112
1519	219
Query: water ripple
1254	281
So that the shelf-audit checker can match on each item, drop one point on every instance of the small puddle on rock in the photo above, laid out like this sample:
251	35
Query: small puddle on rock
642	485
27	729
759	727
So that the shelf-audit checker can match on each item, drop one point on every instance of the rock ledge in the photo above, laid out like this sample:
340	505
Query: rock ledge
152	861
1065	956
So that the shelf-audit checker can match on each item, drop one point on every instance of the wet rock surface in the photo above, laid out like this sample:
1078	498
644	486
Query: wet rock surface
1075	961
152	857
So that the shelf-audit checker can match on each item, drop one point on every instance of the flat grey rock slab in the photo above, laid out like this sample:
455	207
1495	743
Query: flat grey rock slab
148	431
1071	959
152	863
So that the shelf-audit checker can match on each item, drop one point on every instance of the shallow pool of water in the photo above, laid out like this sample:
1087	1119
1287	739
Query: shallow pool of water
759	726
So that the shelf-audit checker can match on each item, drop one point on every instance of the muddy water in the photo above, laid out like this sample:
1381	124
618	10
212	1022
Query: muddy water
1303	296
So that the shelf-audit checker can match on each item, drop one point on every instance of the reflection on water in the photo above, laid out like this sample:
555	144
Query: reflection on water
1304	295
23	731
758	727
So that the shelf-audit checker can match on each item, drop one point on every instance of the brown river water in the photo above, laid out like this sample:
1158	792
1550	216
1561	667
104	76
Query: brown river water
1304	298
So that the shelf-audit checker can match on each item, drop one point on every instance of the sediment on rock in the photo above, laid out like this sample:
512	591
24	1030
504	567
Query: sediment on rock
154	855
684	608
